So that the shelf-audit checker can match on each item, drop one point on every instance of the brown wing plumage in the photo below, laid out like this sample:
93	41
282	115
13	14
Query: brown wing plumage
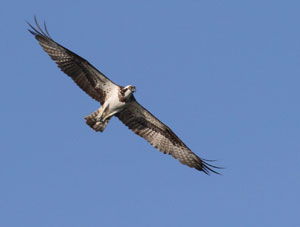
87	77
144	124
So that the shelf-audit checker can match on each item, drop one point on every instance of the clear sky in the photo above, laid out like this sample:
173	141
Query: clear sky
224	75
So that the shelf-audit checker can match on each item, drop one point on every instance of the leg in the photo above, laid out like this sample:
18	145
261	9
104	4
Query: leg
96	120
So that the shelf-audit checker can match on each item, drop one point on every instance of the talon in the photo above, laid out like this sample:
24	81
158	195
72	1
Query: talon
100	119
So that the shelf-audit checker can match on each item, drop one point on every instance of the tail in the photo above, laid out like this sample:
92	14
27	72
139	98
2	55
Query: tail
98	126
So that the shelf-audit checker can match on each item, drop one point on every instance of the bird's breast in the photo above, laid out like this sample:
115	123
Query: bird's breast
114	103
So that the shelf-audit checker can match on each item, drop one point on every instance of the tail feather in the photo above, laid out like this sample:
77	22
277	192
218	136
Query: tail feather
91	120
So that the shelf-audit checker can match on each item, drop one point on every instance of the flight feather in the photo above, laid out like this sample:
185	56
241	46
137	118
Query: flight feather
86	76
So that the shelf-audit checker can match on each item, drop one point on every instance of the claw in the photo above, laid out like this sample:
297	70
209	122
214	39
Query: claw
100	119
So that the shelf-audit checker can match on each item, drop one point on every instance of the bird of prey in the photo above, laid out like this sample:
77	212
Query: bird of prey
117	101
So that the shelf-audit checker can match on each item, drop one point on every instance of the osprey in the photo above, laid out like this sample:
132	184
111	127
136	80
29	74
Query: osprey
117	101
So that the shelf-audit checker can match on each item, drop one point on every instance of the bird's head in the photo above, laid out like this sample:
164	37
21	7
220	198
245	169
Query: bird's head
128	91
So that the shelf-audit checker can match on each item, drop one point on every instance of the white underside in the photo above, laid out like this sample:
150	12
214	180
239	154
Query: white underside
112	105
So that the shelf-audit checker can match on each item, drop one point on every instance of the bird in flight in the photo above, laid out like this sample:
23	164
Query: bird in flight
117	101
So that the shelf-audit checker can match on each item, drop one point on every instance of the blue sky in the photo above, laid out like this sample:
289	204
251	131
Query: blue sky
224	75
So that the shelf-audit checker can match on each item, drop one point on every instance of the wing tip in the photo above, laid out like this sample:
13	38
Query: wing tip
208	168
38	31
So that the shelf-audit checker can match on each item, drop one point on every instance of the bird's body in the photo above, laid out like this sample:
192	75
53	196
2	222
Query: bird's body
117	101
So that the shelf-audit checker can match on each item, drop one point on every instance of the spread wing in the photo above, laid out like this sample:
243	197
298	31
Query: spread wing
86	76
144	124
